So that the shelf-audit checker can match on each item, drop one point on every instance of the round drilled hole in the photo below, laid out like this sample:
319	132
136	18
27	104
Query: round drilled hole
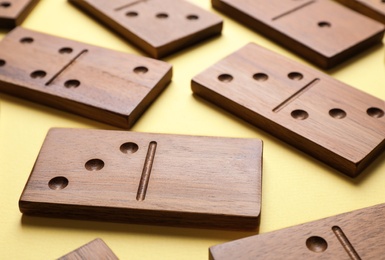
131	14
73	83
316	244
337	113
5	4
65	50
162	16
225	78
26	40
129	147
38	74
2	63
295	76
94	165
192	17
58	183
375	112
299	114
324	24
141	70
260	77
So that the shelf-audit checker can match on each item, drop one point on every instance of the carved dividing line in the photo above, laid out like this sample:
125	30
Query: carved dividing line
142	189
293	10
65	67
296	95
345	243
130	4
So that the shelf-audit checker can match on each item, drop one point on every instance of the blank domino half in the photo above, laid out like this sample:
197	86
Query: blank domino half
95	250
159	27
325	118
122	176
13	12
105	85
322	31
352	236
372	8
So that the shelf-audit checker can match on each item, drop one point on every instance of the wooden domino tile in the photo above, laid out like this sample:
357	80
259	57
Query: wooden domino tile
101	84
130	177
372	8
95	250
352	236
308	109
159	27
321	31
14	12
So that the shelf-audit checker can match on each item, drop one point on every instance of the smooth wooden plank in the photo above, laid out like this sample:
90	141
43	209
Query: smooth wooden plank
372	8
105	85
157	179
13	12
323	32
352	236
159	27
96	249
325	118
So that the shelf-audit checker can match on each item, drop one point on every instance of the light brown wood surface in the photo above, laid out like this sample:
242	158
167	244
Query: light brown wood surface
13	12
130	177
333	122
372	8
323	32
105	85
352	236
159	27
94	250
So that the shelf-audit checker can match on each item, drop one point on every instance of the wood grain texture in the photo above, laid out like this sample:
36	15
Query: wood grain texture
14	12
325	118
373	8
95	250
159	27
323	32
122	176
101	84
352	236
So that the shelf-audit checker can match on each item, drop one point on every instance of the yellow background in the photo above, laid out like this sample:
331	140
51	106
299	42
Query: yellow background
296	187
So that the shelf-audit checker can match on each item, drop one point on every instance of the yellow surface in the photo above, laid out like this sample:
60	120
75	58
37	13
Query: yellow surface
296	187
